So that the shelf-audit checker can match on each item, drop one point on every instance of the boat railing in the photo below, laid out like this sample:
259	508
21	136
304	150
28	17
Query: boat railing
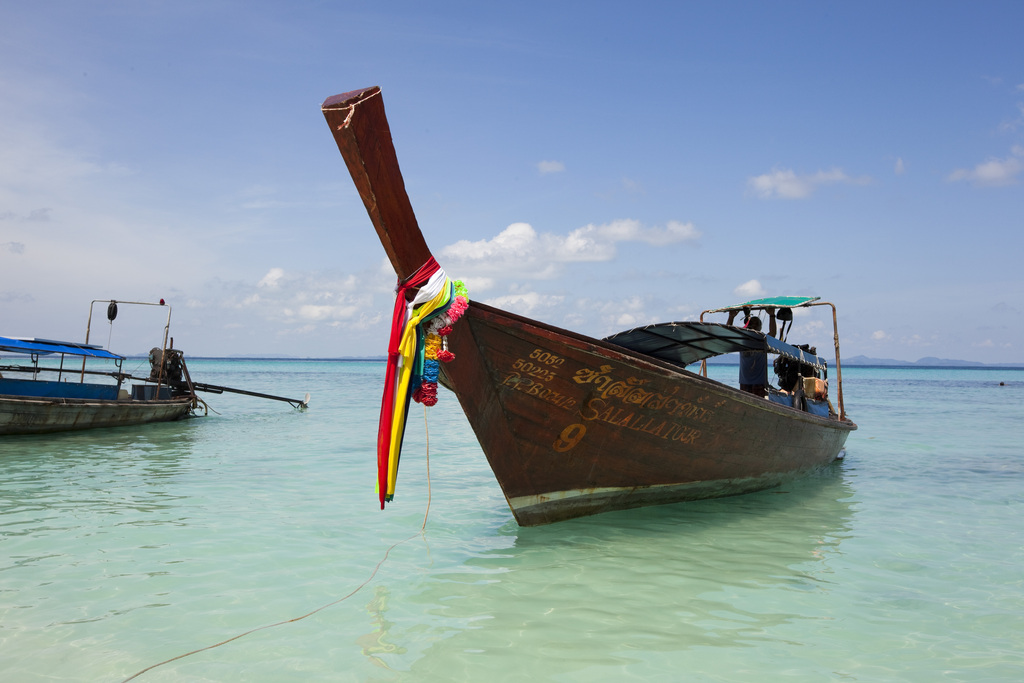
807	303
112	309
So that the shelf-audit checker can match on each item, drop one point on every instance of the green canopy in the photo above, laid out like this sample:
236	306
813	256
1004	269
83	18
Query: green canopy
770	302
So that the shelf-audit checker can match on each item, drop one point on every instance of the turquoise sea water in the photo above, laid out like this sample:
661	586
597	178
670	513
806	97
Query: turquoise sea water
121	549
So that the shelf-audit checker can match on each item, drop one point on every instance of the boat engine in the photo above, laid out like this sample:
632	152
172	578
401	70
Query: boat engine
792	372
170	361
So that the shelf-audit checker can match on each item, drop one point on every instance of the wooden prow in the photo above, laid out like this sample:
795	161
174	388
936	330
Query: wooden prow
360	127
572	425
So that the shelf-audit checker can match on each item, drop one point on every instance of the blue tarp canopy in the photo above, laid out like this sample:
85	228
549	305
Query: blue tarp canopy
45	347
683	343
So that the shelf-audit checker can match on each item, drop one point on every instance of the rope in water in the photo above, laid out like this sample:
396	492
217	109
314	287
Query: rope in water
423	528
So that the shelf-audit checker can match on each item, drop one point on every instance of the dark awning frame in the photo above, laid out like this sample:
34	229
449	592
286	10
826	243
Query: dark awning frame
684	343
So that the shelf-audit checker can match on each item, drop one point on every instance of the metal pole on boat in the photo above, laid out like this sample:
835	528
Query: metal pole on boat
839	366
163	353
88	327
167	328
215	389
703	361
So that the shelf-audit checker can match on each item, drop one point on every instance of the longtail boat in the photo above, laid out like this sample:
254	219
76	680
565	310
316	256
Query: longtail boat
572	425
49	386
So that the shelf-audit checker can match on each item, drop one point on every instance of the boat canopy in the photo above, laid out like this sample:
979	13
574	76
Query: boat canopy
770	302
45	347
682	343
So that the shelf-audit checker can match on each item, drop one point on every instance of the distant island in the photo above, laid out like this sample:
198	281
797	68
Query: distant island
927	362
865	361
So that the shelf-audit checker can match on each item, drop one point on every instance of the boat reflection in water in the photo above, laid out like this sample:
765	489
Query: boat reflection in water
629	588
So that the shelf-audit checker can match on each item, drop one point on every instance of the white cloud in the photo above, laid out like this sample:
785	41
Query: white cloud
879	335
299	299
476	283
546	167
993	172
624	314
525	303
633	231
785	183
321	312
899	168
521	251
749	290
626	321
272	279
517	239
632	186
812	326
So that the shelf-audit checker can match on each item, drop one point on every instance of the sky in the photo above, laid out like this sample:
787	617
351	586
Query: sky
590	165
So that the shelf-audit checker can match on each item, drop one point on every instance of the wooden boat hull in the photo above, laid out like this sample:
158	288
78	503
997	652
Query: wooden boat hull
571	425
574	426
19	415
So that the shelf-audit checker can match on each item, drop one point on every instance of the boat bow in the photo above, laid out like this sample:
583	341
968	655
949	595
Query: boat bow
572	425
360	127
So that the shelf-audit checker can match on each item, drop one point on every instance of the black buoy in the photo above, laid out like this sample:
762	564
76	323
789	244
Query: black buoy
112	311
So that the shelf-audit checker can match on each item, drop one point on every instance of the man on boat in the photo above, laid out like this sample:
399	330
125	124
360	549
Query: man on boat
754	364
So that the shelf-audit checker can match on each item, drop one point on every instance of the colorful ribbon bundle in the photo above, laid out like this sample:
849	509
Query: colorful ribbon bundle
419	327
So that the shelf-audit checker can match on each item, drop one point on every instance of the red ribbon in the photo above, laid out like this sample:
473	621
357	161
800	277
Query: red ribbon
387	404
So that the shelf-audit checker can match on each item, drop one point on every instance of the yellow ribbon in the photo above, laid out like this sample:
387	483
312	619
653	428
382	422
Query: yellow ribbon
407	351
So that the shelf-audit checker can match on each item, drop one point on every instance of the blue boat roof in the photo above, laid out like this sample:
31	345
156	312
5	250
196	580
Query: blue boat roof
48	346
